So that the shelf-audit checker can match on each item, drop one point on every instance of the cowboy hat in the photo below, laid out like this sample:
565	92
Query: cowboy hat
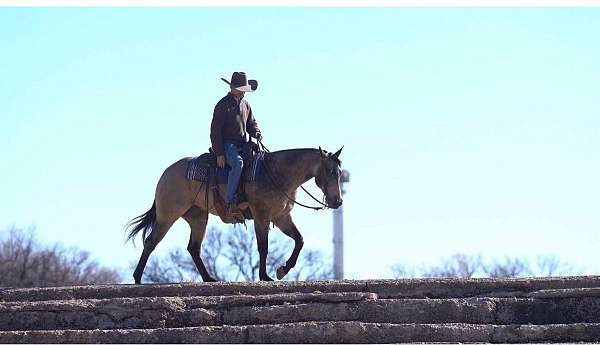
240	82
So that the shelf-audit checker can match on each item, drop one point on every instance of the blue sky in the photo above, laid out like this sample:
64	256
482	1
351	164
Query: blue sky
465	130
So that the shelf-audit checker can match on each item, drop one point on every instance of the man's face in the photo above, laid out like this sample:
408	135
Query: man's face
237	93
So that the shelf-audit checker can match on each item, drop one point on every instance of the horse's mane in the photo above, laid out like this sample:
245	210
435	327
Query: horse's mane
300	149
330	154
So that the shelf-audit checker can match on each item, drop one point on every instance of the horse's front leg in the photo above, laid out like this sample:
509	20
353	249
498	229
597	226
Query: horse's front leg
261	228
287	226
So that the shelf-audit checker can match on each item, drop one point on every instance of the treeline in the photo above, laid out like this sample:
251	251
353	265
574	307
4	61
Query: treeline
478	266
229	254
26	262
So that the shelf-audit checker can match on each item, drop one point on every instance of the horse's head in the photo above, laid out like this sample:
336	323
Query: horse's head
328	177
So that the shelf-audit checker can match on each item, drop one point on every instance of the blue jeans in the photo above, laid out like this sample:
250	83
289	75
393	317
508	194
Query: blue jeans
234	160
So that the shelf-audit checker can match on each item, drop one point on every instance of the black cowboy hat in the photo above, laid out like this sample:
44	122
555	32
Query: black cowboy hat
240	82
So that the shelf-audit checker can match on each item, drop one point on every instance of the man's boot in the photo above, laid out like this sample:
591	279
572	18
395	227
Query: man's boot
234	213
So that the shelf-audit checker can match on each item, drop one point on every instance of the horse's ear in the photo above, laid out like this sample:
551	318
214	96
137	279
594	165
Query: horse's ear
337	154
323	153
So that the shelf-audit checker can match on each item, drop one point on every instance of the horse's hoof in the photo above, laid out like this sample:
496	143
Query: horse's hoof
281	272
266	279
209	279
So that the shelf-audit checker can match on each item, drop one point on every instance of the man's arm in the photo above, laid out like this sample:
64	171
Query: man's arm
216	129
252	126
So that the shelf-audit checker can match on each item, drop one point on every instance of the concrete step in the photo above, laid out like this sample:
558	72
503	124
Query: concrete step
403	288
172	312
321	332
563	309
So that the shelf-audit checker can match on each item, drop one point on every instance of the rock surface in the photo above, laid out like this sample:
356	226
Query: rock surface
562	309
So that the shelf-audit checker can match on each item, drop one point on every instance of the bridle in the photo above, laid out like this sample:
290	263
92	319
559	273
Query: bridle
277	185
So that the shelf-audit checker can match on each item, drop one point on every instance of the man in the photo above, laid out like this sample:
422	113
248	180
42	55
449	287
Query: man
232	119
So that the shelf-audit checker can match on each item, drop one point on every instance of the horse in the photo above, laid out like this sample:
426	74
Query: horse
271	198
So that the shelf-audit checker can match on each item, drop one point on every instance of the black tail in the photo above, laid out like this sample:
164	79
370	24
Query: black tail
143	222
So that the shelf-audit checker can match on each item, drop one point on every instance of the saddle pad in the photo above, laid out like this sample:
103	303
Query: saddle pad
198	171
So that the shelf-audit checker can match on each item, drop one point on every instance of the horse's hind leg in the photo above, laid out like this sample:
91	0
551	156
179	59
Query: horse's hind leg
173	198
197	219
287	226
169	207
261	229
158	232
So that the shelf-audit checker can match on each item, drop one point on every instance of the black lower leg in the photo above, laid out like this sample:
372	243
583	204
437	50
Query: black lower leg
194	250
291	262
149	246
262	242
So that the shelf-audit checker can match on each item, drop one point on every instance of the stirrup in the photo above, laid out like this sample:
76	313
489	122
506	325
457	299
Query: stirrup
235	214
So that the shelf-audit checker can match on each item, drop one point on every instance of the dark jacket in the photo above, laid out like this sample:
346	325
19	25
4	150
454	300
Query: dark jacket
231	121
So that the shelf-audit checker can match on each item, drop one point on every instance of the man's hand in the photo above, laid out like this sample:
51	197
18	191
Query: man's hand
221	162
259	136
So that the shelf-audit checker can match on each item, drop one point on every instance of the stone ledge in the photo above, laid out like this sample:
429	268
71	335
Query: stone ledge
170	312
402	288
179	302
565	293
321	332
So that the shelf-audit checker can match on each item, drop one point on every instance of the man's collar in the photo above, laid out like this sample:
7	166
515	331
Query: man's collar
236	98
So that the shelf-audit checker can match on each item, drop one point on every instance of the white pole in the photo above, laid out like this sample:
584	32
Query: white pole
338	233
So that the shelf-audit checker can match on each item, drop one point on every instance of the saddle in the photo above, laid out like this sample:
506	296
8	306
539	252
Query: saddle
204	168
249	150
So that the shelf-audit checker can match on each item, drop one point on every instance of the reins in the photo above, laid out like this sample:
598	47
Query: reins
276	185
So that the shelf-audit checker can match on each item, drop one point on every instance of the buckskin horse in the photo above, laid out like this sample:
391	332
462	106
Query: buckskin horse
270	198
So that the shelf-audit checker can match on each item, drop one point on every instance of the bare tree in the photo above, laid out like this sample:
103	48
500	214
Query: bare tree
212	249
173	272
25	262
509	268
400	270
458	265
552	265
230	254
313	266
467	266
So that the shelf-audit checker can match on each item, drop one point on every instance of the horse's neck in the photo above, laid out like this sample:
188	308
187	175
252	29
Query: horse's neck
294	167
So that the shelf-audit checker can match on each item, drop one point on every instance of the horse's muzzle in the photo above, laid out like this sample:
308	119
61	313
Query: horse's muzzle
337	202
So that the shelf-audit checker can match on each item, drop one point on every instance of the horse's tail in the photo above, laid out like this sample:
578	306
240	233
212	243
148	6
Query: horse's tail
143	222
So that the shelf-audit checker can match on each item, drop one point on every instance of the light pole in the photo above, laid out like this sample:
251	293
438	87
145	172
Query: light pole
338	232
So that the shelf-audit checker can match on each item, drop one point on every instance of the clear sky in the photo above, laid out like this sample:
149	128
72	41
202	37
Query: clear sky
465	130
